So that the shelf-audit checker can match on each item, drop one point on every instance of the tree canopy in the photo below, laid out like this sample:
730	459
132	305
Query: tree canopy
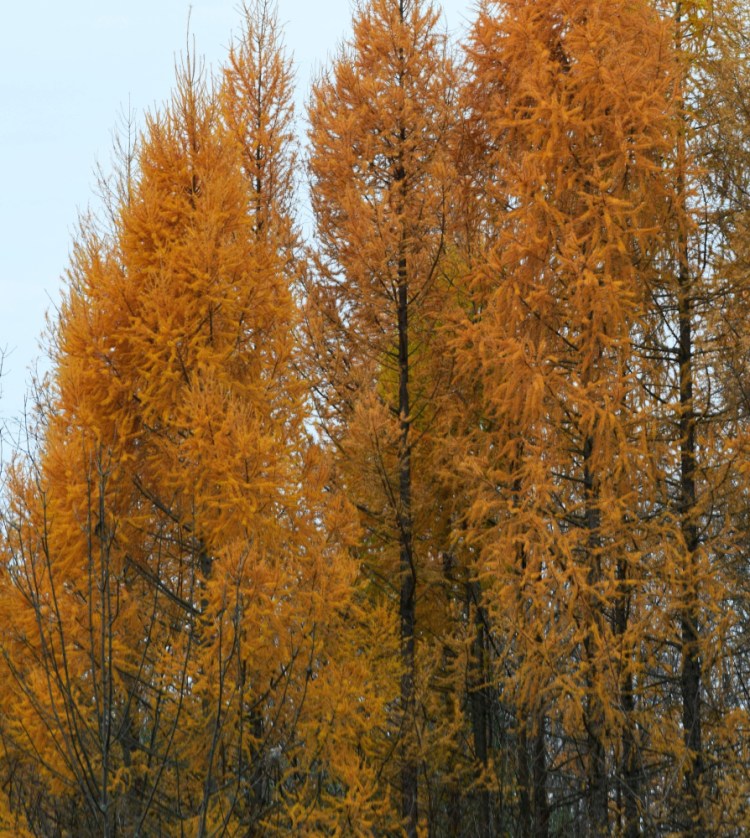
429	518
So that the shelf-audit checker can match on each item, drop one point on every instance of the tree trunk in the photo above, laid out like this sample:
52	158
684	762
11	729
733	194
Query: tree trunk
407	609
539	774
692	674
480	699
593	712
628	778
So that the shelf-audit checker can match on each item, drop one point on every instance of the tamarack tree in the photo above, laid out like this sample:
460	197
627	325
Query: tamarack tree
165	563
380	175
567	471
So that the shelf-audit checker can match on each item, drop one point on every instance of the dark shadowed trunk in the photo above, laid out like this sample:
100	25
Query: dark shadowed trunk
593	711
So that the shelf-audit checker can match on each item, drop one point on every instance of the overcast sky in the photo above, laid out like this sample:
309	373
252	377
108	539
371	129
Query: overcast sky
67	70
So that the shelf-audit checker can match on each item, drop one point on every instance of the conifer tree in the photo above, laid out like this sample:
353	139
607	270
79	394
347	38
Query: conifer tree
379	179
702	306
561	467
165	557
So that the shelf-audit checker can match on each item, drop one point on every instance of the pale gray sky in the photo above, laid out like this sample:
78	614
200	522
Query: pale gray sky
67	70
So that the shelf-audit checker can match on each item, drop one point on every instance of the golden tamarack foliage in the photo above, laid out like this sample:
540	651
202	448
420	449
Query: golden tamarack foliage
435	524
